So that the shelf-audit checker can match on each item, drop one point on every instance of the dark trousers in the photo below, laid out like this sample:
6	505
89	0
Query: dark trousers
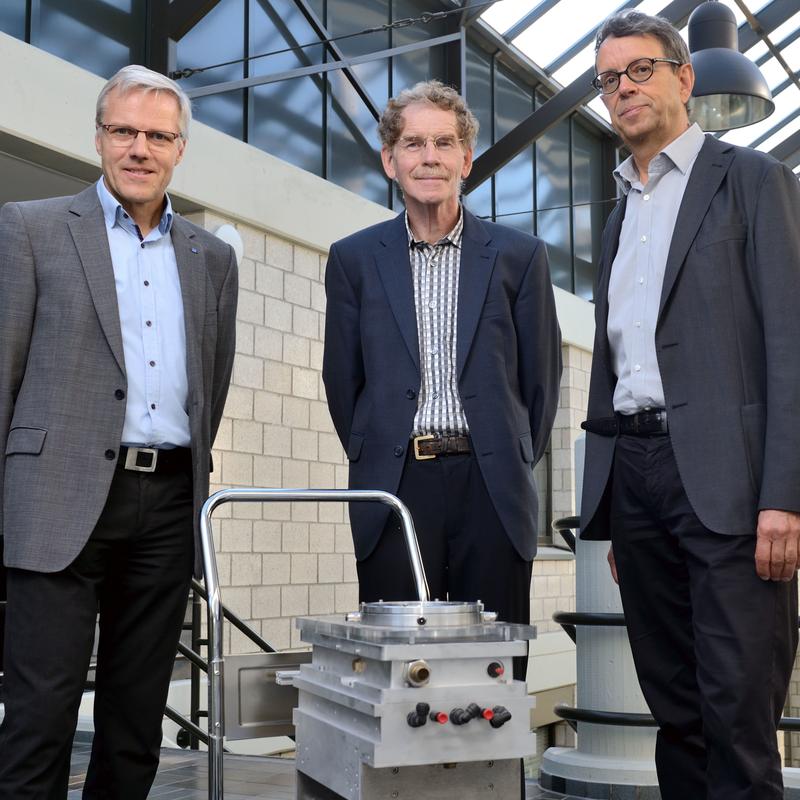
713	644
135	571
465	549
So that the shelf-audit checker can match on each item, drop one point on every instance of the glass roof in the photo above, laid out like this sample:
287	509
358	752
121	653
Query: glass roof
557	37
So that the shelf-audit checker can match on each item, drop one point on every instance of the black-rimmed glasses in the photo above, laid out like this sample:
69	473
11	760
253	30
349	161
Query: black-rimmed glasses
124	136
638	71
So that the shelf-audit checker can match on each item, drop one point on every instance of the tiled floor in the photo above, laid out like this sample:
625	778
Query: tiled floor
183	776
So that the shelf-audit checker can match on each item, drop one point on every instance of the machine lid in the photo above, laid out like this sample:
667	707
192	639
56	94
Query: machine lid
416	614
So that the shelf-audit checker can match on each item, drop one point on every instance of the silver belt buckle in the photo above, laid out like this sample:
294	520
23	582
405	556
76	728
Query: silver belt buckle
133	454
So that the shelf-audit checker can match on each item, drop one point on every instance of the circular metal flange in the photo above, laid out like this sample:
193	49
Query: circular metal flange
415	614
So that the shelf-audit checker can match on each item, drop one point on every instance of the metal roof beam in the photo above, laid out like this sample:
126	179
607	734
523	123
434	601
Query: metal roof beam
522	25
769	18
183	15
788	151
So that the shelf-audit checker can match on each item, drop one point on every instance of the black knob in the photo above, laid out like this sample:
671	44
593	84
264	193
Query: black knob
501	716
495	669
458	716
474	710
418	717
423	709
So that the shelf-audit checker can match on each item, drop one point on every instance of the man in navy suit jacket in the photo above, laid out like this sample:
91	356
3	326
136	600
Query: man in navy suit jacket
442	366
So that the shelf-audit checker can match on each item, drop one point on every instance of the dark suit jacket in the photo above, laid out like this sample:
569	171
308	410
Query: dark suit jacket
508	364
727	341
61	363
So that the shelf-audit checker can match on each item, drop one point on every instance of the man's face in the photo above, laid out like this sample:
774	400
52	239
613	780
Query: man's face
138	174
649	114
431	176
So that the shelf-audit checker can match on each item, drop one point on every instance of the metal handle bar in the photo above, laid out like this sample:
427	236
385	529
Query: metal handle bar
216	731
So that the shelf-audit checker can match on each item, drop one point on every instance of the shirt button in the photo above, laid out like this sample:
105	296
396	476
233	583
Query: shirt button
646	197
410	394
142	245
637	368
638	324
147	283
434	351
435	395
110	454
153	406
432	304
152	363
119	394
149	324
641	280
644	239
398	451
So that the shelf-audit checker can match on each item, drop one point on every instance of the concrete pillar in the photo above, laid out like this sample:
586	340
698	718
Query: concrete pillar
605	755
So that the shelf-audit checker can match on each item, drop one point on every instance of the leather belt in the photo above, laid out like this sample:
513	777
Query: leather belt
151	459
433	445
650	422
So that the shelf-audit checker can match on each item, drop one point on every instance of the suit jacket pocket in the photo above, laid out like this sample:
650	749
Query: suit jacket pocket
526	447
721	233
354	445
25	440
754	424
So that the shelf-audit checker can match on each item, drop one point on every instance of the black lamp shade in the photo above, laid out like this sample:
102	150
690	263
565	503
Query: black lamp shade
729	90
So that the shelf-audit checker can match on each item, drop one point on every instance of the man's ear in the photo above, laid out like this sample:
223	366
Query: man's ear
387	159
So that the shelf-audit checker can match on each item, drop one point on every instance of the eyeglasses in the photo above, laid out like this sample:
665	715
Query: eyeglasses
638	71
124	136
416	144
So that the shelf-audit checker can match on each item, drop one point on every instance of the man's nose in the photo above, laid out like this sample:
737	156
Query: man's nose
140	146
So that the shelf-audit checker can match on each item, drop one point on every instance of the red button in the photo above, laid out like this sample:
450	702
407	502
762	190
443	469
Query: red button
487	713
441	718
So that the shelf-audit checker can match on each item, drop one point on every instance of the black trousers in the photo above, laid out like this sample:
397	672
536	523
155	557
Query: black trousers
465	549
135	570
713	644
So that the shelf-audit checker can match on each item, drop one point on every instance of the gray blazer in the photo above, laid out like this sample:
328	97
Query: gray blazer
61	366
727	341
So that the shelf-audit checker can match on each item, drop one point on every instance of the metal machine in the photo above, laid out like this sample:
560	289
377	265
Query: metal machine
410	699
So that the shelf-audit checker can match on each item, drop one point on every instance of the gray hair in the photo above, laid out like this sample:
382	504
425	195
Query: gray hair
436	93
636	23
138	78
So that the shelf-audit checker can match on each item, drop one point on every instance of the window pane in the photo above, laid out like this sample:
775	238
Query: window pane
100	37
553	227
479	94
552	168
353	150
514	182
12	18
589	216
420	65
285	118
218	37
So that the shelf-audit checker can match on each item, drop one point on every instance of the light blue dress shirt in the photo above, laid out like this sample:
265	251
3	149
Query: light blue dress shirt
152	322
637	274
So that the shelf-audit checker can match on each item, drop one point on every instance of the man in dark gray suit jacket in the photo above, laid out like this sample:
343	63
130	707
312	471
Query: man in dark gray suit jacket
117	327
693	447
442	365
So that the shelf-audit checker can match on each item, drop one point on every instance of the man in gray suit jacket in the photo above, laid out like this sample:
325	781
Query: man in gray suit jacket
117	328
693	446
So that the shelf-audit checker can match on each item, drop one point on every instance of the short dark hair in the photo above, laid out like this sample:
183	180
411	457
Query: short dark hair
636	23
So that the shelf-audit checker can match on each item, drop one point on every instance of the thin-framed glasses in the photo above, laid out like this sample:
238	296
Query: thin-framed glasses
124	136
416	144
638	71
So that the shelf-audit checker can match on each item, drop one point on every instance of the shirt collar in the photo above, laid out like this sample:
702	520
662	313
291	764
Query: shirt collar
680	153
452	238
115	214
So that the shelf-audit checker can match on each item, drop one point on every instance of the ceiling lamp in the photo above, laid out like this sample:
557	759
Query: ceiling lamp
729	90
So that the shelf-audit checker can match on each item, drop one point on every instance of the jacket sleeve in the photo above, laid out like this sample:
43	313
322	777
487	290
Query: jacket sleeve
226	342
539	345
342	363
17	309
776	261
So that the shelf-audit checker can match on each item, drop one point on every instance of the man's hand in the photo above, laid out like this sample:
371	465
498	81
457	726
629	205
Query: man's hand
612	565
777	544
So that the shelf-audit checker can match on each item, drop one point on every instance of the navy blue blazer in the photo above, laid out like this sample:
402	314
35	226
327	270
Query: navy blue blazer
508	365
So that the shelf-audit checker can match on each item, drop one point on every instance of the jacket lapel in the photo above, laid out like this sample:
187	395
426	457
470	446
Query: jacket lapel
477	264
88	230
394	269
190	260
708	172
